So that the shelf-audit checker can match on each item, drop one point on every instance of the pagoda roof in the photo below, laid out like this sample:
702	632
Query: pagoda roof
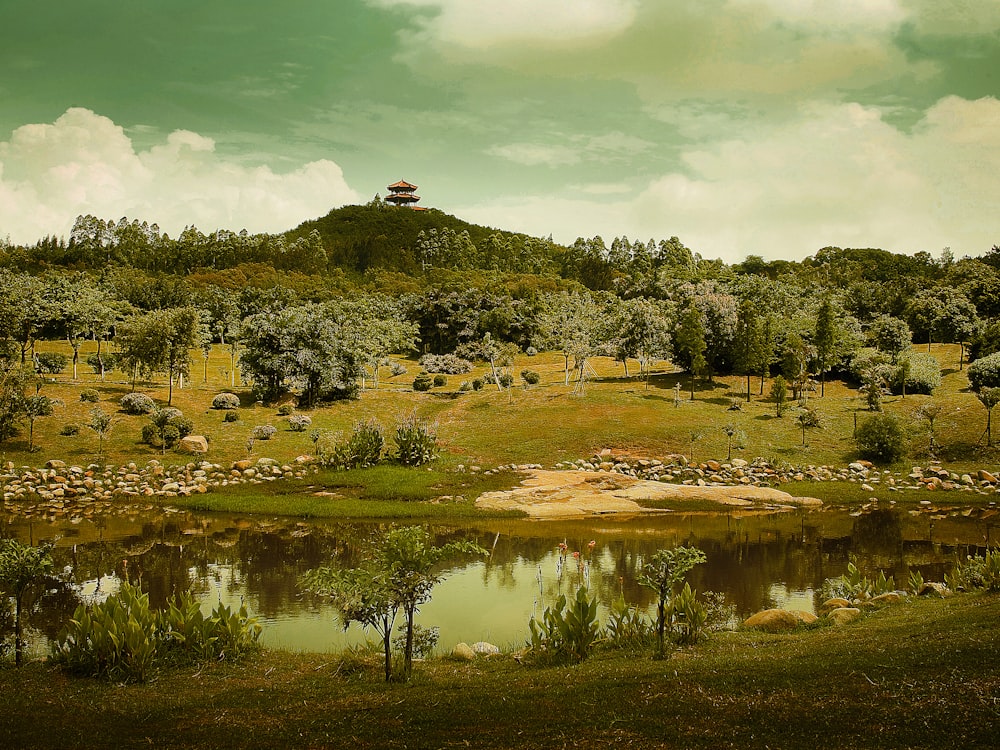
402	197
402	185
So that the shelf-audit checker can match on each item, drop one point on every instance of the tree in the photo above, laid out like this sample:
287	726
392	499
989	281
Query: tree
795	363
689	343
808	419
101	423
34	407
779	394
663	573
750	342
400	574
641	330
21	567
890	335
988	397
570	324
13	381
824	340
929	412
985	372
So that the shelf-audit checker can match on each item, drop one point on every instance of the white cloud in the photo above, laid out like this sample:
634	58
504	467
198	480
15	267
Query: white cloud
487	23
828	14
835	175
84	163
575	149
954	17
536	154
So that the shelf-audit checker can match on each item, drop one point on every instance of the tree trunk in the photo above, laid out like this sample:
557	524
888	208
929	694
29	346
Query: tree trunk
18	643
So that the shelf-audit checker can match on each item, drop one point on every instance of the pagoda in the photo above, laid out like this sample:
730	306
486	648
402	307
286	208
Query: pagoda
402	193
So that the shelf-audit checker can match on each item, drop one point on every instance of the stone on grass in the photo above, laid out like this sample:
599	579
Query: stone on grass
485	649
463	651
193	444
843	615
887	599
834	603
773	621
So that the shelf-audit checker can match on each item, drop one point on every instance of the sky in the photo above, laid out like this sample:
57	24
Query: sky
743	127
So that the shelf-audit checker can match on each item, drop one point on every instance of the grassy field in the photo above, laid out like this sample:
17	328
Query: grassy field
923	675
540	424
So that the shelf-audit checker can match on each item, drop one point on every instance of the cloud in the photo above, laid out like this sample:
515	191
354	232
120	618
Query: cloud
837	174
572	150
953	17
84	163
478	24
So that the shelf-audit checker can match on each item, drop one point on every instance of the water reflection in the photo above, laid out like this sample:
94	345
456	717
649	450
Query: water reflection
756	560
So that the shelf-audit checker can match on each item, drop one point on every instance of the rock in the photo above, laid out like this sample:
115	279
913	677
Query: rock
193	444
463	651
985	476
773	621
55	464
843	615
485	649
713	466
932	588
806	618
242	465
835	603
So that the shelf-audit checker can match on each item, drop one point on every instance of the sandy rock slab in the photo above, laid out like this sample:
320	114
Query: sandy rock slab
561	494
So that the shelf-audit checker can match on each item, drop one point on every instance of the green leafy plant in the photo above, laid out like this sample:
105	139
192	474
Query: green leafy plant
686	616
423	382
977	572
567	631
416	442
627	627
663	573
881	438
364	447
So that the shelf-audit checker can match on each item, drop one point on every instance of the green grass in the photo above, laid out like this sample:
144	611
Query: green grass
923	675
385	491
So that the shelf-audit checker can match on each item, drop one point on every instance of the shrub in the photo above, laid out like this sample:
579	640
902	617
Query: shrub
50	363
263	432
440	381
424	640
505	379
531	351
89	395
985	372
445	363
416	442
567	631
920	372
70	429
231	416
226	401
977	572
137	404
880	438
363	448
123	640
111	361
423	382
627	627
299	422
166	428
477	384
285	409
530	377
397	368
465	386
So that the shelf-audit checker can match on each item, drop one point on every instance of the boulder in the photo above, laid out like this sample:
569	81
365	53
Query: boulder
933	588
843	615
985	476
773	621
834	603
485	649
887	599
463	652
193	444
806	618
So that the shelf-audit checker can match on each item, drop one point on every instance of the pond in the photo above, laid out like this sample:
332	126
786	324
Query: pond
755	560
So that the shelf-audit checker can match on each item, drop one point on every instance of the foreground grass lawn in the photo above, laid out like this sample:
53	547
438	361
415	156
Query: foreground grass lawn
924	675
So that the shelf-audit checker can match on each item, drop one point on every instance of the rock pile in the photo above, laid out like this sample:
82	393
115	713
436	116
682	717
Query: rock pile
60	490
759	472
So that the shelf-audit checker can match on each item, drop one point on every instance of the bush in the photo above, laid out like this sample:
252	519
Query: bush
567	631
111	361
531	351
285	409
226	401
231	416
416	442
166	428
396	368
363	448
123	640
440	381
50	363
70	429
922	374
89	395
299	422
477	384
263	432
422	382
449	364
137	404
530	377
985	372
880	438
505	379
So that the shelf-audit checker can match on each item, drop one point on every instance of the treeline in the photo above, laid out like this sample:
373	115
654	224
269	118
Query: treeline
424	281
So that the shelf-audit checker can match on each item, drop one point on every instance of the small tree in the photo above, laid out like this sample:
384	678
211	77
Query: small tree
34	407
779	394
401	574
663	573
988	397
929	412
101	423
808	419
21	567
734	436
